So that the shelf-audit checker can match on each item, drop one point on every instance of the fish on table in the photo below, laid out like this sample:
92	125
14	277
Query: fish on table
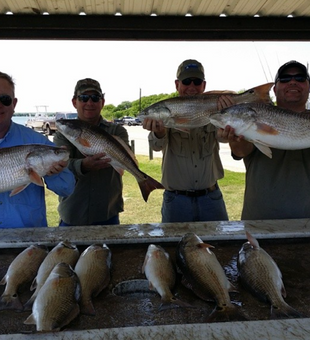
266	126
160	272
93	270
261	275
25	164
57	302
91	140
204	275
190	112
22	270
64	251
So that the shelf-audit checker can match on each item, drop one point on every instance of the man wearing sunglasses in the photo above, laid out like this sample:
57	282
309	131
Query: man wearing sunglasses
27	208
191	163
97	197
277	188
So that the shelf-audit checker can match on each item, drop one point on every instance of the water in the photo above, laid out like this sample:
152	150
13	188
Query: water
20	119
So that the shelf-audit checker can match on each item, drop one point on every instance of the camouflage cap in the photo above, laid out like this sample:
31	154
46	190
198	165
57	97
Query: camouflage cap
190	69
87	84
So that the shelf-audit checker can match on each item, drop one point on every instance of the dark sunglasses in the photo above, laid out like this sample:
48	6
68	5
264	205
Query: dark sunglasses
85	98
188	81
5	100
285	78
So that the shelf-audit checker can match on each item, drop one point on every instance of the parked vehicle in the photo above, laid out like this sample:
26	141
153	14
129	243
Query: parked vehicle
40	120
131	121
45	122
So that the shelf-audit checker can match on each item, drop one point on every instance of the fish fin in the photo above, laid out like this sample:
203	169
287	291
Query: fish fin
126	147
83	142
29	303
34	284
11	302
285	311
148	185
3	281
30	320
253	241
18	190
266	129
226	313
119	170
180	303
283	291
144	263
264	149
183	130
35	178
204	245
262	93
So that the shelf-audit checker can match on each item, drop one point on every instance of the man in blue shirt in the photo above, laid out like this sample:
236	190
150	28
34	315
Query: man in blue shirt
26	209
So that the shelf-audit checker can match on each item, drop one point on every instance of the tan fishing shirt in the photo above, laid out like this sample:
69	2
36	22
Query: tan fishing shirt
191	161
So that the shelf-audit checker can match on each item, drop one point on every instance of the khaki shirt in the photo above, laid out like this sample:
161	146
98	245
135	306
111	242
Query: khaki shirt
191	160
98	194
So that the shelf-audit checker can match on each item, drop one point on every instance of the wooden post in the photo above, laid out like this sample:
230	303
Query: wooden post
132	142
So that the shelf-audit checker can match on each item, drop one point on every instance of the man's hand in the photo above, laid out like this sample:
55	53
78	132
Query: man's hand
157	126
227	135
225	101
95	162
57	167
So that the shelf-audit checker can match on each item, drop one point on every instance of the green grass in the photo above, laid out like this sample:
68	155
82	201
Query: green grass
138	211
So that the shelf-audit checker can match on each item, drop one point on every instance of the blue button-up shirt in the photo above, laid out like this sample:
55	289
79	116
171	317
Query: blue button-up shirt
27	209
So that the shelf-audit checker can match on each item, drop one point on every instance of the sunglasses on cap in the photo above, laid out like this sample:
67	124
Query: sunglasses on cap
285	78
85	98
188	81
5	100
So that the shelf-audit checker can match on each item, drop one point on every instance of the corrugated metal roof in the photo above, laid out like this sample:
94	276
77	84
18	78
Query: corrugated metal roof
159	7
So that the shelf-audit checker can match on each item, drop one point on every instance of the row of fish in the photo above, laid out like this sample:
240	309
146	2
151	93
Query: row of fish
61	293
203	274
253	116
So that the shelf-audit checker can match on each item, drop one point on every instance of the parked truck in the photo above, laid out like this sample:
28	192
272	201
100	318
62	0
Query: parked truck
45	122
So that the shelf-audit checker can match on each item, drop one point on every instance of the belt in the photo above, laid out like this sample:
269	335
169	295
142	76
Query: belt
194	193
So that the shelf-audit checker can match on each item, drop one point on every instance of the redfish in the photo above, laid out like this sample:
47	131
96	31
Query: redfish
190	112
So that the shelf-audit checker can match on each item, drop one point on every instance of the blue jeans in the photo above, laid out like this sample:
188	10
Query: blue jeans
181	208
112	220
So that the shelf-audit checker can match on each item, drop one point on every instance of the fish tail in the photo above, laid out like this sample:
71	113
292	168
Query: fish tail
262	93
87	308
285	311
224	314
180	303
148	185
9	302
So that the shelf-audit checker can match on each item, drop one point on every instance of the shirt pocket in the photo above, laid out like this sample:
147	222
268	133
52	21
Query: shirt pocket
207	141
179	143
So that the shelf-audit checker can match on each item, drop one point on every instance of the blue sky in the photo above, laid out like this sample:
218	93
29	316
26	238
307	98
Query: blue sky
46	72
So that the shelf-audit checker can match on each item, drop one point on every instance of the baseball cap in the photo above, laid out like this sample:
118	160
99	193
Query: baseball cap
292	63
190	68
87	84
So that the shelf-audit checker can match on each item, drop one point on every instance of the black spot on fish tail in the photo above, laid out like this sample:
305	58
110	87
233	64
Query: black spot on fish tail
285	312
225	314
148	185
11	302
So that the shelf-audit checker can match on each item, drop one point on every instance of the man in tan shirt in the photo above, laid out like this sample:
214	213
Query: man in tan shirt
191	163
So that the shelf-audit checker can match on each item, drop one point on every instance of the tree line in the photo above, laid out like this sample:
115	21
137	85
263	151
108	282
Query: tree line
133	108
